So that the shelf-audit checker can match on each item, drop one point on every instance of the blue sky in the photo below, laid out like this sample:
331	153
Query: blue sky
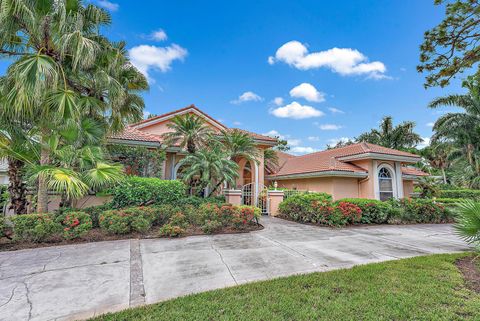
210	53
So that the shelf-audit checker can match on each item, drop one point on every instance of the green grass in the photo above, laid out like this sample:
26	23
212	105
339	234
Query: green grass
421	288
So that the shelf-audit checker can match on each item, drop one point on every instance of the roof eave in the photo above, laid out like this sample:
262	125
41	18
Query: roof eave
132	142
333	173
380	156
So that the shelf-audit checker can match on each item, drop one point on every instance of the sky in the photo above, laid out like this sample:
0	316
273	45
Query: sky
312	72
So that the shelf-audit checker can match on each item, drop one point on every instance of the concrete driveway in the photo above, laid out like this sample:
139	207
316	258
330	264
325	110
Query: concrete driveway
80	281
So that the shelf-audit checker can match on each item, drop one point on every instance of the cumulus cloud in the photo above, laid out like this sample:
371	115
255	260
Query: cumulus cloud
278	101
237	123
424	143
146	57
430	124
290	141
300	150
159	35
334	110
308	92
329	126
344	61
108	5
296	111
335	141
313	138
247	96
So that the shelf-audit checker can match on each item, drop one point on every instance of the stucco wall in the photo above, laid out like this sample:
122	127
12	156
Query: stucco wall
317	184
366	185
407	188
345	187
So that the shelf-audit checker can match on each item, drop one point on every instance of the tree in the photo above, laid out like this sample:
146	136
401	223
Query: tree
462	129
188	131
438	155
452	46
468	222
238	144
65	69
341	143
211	167
401	136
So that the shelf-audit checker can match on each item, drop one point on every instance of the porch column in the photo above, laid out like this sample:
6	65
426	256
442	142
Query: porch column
233	196
276	197
399	179
376	188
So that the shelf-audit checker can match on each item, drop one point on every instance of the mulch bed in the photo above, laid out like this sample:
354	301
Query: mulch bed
96	235
469	266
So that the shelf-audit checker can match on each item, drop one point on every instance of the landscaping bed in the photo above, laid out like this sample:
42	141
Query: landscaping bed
421	288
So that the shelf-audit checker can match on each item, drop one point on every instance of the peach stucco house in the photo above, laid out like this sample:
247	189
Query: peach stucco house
360	170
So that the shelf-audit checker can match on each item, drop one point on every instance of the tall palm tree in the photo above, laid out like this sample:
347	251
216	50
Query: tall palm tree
463	127
238	144
401	136
211	167
438	155
64	69
188	131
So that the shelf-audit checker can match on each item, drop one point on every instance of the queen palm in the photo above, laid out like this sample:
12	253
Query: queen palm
64	69
401	136
188	131
238	144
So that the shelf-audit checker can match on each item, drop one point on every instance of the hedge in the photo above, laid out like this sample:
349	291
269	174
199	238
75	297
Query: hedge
373	211
35	227
136	191
473	194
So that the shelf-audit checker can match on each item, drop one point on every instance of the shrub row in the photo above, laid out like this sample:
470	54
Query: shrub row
174	220
318	208
473	194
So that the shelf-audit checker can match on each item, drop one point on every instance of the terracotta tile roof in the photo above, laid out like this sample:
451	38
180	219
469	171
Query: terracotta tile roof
133	134
256	136
413	171
328	160
282	158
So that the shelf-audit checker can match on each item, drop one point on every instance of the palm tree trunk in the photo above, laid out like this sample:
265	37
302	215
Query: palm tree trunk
42	196
444	176
16	187
191	146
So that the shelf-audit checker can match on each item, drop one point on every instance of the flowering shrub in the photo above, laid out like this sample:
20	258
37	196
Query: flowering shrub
74	224
422	211
211	226
178	219
373	211
171	230
35	227
123	221
305	207
349	213
242	216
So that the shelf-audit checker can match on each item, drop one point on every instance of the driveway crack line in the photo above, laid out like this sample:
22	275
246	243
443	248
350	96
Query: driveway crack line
137	288
224	263
27	295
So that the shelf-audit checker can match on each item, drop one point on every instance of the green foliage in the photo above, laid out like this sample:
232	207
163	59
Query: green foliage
373	211
138	160
211	226
74	224
188	131
147	190
420	211
197	201
449	201
168	230
124	221
35	227
468	222
472	194
3	226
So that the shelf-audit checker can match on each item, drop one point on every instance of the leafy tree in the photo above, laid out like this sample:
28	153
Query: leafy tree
282	144
65	69
341	143
401	136
270	158
452	46
438	155
188	131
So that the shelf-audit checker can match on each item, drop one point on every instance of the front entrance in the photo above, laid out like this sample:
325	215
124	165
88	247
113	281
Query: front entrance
252	197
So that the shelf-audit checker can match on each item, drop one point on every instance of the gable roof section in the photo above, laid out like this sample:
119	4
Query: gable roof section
135	137
335	161
256	136
189	109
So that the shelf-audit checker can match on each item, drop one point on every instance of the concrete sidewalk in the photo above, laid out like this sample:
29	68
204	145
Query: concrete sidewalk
80	281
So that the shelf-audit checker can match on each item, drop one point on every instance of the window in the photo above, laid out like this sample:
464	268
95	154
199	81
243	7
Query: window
385	182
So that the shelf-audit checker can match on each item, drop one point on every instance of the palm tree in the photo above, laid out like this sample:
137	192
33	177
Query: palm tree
401	136
462	128
468	222
270	157
64	69
188	131
438	155
238	144
211	167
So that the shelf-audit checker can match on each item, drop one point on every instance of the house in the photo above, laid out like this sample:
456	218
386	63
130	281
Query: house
359	170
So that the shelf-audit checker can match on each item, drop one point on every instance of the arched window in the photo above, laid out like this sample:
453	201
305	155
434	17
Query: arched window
385	183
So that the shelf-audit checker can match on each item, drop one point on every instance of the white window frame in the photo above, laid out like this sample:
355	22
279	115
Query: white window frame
394	180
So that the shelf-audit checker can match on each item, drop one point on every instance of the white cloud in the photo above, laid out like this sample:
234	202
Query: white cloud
430	124
108	5
335	141
294	142
159	35
424	143
296	111
308	92
300	150
274	133
334	110
247	96
278	101
146	113
290	141
329	127
313	138
146	57
237	123
271	60
344	61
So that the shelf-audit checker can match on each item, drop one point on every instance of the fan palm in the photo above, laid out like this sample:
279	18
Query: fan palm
188	131
64	69
238	144
211	167
401	136
468	222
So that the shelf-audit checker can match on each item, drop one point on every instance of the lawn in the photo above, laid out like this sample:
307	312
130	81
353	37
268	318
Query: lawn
421	288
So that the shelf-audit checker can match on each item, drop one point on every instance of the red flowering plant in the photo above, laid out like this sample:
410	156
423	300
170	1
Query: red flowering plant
74	224
322	212
350	213
242	216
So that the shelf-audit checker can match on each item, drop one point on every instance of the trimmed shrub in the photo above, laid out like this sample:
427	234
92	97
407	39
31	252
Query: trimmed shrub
35	227
349	213
3	227
211	226
373	211
305	207
123	221
163	213
171	231
421	211
178	219
74	224
244	216
450	201
198	201
472	194
135	191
